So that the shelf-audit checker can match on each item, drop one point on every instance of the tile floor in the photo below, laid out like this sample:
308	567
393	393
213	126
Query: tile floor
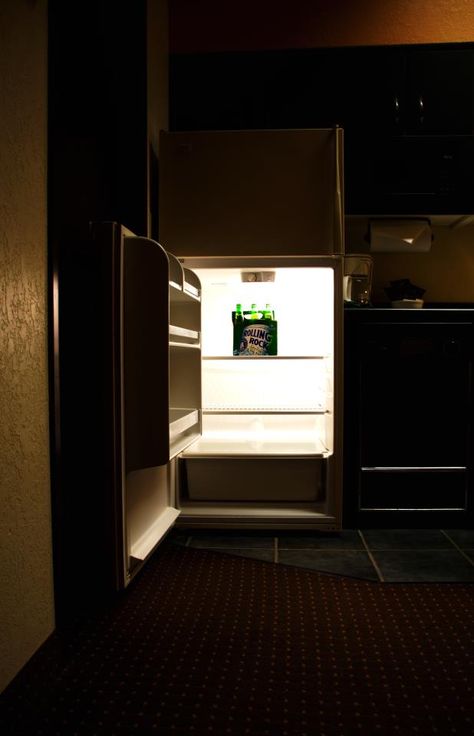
384	555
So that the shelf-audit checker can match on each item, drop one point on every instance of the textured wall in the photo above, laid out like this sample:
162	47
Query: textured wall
213	25
26	610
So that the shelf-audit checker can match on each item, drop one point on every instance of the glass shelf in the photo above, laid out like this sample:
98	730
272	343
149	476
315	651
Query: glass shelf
265	410
264	357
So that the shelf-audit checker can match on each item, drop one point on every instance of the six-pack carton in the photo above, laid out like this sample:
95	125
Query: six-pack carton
255	336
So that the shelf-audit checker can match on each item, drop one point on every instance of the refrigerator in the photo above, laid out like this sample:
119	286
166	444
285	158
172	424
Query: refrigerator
163	425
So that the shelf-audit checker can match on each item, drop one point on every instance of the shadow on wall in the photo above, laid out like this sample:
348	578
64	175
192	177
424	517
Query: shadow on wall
446	271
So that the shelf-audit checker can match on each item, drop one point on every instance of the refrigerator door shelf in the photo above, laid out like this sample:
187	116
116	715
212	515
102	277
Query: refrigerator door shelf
180	336
181	420
183	292
183	282
184	428
152	536
191	284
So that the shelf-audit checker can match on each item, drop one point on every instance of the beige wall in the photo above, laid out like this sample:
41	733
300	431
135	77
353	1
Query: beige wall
26	588
213	25
446	271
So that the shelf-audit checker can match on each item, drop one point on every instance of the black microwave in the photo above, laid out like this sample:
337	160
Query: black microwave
410	175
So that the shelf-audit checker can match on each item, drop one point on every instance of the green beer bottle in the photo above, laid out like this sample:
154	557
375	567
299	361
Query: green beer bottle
267	312
238	321
253	311
239	316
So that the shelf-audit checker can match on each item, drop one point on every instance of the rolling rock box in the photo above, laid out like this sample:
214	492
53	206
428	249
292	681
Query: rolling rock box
254	336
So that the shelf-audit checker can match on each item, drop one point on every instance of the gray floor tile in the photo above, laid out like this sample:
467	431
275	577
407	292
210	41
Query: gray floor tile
267	555
446	565
350	563
401	555
393	539
347	539
464	538
231	541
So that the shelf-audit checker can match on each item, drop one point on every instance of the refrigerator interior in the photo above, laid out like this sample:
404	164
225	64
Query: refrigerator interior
267	421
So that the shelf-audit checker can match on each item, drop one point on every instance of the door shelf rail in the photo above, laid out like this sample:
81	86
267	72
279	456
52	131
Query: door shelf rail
185	427
183	336
144	545
184	284
182	420
180	294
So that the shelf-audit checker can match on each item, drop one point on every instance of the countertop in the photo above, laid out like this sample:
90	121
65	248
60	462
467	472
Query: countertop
428	306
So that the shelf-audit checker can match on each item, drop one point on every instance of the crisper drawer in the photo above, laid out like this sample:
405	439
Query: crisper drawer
413	490
253	479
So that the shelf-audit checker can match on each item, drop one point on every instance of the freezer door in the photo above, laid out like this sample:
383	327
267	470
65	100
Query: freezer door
250	192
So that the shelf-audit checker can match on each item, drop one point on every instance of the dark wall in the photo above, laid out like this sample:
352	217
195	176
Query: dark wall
97	113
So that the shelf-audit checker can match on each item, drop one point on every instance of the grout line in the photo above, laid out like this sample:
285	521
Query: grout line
275	549
398	549
371	557
461	551
188	541
342	550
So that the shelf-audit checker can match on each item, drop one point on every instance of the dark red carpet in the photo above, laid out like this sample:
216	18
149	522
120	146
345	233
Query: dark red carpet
208	643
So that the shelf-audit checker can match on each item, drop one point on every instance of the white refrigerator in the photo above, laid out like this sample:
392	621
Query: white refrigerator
187	433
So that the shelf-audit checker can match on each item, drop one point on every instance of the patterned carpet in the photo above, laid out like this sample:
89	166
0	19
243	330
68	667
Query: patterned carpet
217	644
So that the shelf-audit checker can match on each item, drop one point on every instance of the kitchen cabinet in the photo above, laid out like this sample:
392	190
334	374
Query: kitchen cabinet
438	91
407	114
407	90
390	90
409	175
408	417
